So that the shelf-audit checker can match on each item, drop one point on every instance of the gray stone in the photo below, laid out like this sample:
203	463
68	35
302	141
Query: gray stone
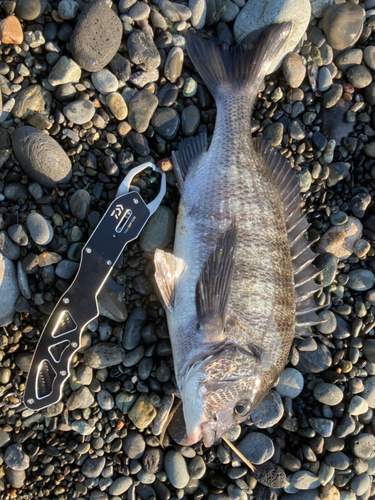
324	79
176	469
132	334
92	467
65	71
15	478
33	99
360	484
141	109
318	7
198	13
294	70
142	49
79	204
79	112
337	460
342	25
190	120
315	361
348	58
256	447
361	280
322	425
66	269
112	305
359	76
104	81
40	229
41	157
330	323
105	400
30	9
159	230
18	234
363	446
67	9
304	480
103	355
125	400
369	390
327	262
290	383
15	457
369	56
9	290
173	64
230	13
134	445
120	67
80	399
269	411
120	486
254	16
328	394
174	11
166	123
96	36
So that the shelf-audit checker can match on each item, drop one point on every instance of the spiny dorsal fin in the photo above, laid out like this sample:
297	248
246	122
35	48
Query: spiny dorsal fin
168	271
296	225
188	150
213	286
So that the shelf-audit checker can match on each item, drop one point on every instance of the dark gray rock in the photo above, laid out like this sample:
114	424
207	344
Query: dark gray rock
159	230
79	204
190	120
30	9
256	447
314	361
9	290
120	67
342	25
166	123
135	322
141	108
16	458
270	475
327	262
92	467
104	355
41	157
152	460
142	49
167	95
139	143
134	445
269	411
15	191
96	36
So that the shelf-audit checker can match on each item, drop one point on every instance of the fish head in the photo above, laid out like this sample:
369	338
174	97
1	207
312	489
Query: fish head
220	391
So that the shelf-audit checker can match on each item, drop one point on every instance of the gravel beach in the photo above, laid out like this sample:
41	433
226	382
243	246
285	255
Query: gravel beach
89	90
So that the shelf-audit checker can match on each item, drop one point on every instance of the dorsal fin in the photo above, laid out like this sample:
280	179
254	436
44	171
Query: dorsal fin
213	285
188	150
296	225
168	271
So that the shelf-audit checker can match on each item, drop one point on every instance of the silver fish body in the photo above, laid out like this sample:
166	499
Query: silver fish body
228	357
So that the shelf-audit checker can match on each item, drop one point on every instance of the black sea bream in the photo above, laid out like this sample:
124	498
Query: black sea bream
240	276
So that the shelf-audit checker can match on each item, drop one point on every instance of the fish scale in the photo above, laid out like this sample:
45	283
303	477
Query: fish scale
229	287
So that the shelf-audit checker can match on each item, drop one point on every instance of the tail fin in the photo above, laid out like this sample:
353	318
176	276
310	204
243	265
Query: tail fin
240	68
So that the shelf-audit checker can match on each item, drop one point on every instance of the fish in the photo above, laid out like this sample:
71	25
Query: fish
240	281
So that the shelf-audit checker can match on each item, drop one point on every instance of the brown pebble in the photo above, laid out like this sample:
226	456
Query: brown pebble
340	240
123	128
348	88
48	258
164	164
11	31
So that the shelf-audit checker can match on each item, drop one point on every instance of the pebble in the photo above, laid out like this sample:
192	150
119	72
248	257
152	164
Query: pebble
340	240
359	76
142	412
190	119
328	394
361	280
337	460
357	406
141	109
119	486
9	290
79	112
330	322
80	399
96	36
324	79
369	391
363	446
167	95
93	467
30	9
369	56
32	99
327	262
79	204
142	49
304	480
139	11
16	458
314	361
256	447
269	411
198	10
65	71
103	355
342	25
360	484
290	383
174	11
348	58
173	64
117	105
104	81
40	229
11	31
176	469
166	123
120	67
253	16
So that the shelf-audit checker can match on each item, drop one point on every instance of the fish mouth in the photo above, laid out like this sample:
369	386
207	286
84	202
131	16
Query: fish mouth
207	431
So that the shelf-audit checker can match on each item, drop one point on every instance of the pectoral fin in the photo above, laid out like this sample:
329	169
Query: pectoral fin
168	271
214	283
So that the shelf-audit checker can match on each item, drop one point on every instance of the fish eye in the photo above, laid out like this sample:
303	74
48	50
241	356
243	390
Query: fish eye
242	408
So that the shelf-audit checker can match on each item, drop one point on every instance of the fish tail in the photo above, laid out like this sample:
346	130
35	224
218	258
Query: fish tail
232	70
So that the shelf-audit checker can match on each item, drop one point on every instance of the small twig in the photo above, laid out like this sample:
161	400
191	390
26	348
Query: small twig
237	452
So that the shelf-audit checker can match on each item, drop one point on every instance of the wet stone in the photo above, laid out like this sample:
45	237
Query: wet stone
256	447
173	64
141	109
16	458
190	119
167	94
